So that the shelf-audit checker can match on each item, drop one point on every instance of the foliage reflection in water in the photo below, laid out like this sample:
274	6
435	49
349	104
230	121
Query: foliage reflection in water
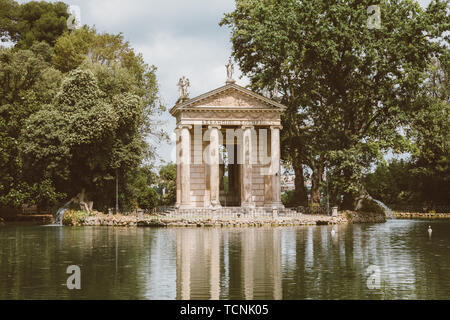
205	263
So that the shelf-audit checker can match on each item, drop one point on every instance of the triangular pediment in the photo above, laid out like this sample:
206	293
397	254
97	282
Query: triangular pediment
230	96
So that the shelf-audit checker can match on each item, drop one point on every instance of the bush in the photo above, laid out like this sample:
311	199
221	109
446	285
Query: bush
347	214
74	217
288	198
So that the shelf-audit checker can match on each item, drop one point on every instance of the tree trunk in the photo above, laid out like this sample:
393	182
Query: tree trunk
301	198
348	201
316	182
117	192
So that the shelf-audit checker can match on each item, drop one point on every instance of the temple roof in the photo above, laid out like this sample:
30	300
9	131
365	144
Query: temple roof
239	98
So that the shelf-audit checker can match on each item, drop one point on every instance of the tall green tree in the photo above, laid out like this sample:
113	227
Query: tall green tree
79	140
348	87
85	45
84	135
27	81
32	22
7	19
430	134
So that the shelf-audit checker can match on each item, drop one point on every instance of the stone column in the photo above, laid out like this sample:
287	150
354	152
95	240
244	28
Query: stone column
275	172
178	142
214	166
215	264
183	283
185	166
248	243
334	211
246	175
277	275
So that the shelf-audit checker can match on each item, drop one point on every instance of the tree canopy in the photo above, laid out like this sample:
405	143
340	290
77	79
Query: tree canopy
27	81
32	21
348	88
76	111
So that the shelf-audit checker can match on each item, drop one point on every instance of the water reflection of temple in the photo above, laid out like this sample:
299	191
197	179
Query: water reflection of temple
215	264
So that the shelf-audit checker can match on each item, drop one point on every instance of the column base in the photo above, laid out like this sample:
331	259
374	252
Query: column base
276	205
185	206
250	205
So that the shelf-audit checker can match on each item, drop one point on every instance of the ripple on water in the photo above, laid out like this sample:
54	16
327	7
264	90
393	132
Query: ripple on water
251	263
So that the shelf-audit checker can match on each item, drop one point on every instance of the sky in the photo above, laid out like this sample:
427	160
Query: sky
179	37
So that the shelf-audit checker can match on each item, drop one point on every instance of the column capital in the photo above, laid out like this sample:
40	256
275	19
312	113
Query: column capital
279	127
214	126
184	126
243	127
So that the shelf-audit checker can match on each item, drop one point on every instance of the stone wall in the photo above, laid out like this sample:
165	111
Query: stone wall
197	219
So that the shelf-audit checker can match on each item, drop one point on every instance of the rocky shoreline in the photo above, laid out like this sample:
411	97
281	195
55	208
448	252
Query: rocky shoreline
343	217
298	220
420	215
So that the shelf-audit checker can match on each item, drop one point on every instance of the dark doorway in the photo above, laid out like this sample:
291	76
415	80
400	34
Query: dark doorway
230	186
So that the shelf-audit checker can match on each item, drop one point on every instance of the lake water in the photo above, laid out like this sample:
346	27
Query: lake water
249	263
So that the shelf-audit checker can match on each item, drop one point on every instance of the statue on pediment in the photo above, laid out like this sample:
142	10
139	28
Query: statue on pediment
230	71
183	86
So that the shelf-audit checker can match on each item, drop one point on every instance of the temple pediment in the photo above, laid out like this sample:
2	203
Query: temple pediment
228	98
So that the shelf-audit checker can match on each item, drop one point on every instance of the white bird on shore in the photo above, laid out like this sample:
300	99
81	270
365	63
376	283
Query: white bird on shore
429	230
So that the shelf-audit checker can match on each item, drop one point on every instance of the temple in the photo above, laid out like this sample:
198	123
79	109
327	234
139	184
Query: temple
228	148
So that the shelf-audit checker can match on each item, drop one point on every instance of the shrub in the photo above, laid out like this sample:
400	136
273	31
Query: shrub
287	198
348	215
74	217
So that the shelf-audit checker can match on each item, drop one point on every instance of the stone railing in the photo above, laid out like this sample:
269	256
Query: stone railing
322	210
228	212
420	208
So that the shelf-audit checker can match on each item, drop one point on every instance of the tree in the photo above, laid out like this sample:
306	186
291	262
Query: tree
27	81
424	178
430	133
393	183
7	17
168	182
80	139
108	55
32	22
146	196
348	88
